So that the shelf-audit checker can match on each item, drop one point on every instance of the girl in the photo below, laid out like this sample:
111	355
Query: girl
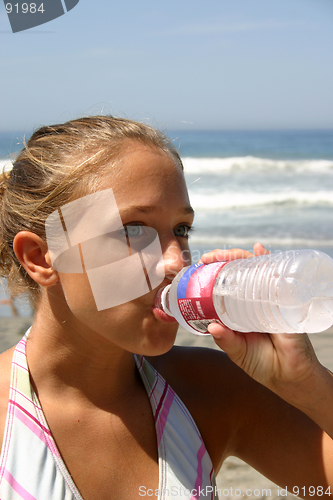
101	405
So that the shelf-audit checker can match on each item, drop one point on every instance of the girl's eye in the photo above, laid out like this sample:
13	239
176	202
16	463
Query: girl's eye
139	237
134	230
182	231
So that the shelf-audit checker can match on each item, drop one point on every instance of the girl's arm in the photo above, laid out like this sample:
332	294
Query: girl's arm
285	364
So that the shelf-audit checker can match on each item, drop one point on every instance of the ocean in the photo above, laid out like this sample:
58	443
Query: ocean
275	187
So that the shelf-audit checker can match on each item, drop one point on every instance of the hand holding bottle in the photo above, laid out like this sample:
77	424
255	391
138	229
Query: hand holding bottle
284	363
262	356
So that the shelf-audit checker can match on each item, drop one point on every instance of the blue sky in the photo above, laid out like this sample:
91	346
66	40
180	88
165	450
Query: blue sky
185	64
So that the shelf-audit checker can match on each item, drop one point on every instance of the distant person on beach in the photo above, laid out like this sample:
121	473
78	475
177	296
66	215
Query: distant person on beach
95	401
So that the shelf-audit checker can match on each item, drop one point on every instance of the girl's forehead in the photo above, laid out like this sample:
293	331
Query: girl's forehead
139	157
143	174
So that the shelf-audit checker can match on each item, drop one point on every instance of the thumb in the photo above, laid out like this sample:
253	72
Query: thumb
232	343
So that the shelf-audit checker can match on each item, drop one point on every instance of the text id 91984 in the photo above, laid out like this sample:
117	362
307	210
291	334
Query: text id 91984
24	8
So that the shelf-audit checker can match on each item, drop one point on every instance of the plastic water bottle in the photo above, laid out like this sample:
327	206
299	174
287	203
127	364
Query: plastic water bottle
286	292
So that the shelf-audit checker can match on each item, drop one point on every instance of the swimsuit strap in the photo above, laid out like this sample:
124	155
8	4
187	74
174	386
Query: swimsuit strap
184	464
31	467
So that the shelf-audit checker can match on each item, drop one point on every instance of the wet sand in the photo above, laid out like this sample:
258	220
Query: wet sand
236	479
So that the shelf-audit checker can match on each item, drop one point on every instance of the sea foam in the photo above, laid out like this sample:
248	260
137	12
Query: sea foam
252	163
246	199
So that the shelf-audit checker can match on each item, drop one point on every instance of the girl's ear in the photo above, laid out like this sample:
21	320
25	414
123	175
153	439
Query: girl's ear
32	252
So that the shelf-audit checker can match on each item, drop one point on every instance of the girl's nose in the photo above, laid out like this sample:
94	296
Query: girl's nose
174	259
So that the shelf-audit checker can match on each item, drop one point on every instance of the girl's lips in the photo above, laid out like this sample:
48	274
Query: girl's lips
162	316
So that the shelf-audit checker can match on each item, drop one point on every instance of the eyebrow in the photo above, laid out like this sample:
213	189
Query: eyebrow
147	209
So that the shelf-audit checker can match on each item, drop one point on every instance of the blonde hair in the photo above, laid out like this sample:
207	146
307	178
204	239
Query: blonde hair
57	164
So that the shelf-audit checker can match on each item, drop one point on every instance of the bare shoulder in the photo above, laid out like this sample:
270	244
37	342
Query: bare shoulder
213	389
236	415
200	372
196	369
228	406
5	372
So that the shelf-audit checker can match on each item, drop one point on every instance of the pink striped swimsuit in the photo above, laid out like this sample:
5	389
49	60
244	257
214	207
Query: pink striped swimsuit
31	467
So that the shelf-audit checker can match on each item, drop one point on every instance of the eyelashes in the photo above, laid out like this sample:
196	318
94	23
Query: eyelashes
183	231
139	230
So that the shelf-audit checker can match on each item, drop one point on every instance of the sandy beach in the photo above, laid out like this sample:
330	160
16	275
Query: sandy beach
236	479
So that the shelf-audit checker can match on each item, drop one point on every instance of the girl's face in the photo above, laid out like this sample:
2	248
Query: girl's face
150	191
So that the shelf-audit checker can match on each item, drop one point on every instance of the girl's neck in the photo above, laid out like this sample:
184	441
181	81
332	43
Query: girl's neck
68	362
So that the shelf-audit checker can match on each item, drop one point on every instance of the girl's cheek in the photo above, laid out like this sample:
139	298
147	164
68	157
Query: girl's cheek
77	292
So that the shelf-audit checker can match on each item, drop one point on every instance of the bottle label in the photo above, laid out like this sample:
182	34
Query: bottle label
195	295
